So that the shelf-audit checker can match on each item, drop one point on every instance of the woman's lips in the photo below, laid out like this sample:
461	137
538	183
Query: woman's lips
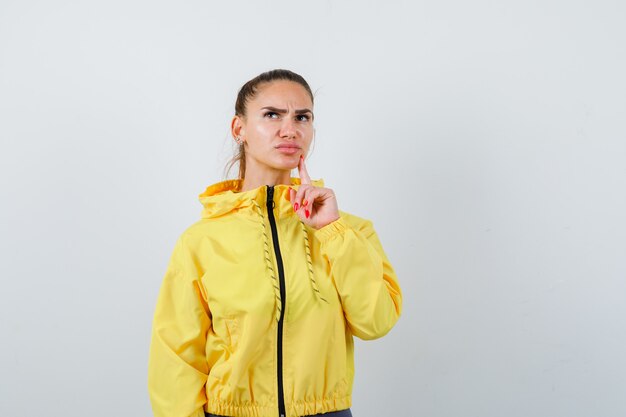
289	150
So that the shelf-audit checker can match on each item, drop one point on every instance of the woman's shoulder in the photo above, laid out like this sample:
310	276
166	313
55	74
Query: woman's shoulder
198	230
198	226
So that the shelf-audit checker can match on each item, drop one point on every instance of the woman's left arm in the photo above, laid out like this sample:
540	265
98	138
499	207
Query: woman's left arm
366	282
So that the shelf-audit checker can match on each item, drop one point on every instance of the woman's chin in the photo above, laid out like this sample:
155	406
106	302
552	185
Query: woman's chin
286	165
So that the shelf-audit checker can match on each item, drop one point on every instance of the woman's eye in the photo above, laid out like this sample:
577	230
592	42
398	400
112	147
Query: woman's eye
271	114
304	118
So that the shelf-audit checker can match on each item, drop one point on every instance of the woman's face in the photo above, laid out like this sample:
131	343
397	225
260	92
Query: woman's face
278	126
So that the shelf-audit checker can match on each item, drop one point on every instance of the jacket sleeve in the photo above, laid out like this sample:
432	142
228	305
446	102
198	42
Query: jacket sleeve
364	278
177	365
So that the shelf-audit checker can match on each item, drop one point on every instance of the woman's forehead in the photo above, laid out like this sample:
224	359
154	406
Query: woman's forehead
282	93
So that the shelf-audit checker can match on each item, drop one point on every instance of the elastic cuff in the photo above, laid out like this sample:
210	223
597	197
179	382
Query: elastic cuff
331	230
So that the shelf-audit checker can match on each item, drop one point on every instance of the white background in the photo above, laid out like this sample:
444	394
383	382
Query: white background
485	140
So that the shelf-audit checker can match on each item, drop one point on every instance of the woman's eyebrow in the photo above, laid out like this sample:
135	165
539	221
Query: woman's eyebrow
283	111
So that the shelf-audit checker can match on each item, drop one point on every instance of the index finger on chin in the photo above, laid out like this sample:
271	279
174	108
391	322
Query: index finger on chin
304	174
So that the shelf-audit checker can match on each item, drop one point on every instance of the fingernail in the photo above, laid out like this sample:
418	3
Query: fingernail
306	213
304	203
295	206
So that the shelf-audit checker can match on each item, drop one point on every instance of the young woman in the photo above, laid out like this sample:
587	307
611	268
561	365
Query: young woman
262	296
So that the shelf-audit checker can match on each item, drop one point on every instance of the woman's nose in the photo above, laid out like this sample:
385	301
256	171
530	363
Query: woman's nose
288	128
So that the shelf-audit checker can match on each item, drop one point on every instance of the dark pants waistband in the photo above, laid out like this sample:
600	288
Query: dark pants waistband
341	413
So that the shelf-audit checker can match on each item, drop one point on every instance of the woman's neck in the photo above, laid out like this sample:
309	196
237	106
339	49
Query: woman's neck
254	180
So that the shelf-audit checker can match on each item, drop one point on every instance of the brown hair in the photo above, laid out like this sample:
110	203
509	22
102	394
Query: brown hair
247	93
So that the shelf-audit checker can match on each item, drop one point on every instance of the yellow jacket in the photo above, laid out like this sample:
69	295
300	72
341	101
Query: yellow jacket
256	311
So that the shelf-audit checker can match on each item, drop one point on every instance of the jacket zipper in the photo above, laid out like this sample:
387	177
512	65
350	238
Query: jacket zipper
281	276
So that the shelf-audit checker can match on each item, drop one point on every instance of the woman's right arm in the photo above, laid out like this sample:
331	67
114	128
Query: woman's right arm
177	365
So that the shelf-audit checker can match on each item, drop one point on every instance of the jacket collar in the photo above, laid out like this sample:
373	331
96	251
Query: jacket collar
226	196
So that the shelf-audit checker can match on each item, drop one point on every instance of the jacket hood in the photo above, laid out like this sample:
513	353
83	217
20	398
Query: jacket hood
226	196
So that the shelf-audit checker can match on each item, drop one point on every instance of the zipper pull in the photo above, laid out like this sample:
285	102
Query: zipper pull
270	203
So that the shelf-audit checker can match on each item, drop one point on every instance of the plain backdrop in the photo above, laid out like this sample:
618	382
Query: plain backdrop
484	139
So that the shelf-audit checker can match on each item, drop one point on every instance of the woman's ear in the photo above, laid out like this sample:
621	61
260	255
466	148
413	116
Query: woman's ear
237	128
